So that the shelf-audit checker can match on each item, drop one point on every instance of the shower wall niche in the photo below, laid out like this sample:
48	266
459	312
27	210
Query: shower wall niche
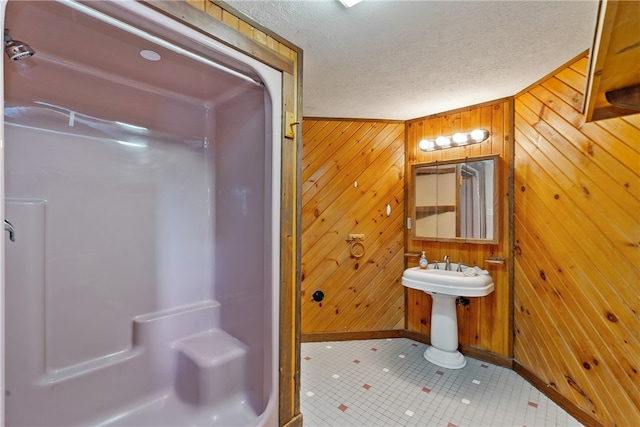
142	183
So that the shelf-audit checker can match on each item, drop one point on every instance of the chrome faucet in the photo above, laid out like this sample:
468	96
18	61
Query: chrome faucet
12	232
447	263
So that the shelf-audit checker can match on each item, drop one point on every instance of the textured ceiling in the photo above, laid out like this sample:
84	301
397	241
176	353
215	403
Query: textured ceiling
394	59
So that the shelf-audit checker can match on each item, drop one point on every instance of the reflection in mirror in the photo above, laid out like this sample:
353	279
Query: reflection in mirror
456	200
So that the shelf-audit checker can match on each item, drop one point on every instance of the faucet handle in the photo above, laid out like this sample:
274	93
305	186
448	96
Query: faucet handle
447	263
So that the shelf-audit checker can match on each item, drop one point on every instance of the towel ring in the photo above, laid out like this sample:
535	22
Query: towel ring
357	248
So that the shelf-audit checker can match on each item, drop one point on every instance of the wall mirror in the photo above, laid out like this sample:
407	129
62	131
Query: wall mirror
456	200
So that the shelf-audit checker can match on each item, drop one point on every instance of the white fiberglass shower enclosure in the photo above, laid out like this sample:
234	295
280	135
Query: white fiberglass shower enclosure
141	182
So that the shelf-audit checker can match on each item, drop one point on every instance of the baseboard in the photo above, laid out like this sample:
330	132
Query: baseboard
487	356
553	394
416	336
349	336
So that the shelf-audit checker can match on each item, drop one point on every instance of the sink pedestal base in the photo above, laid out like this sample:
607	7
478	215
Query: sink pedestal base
446	359
444	333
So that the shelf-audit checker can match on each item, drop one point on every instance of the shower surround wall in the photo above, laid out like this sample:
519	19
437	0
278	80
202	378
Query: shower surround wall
141	288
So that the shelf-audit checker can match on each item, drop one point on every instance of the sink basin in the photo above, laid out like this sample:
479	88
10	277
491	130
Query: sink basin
445	286
470	282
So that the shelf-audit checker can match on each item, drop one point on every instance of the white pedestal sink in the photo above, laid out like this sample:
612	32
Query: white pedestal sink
445	286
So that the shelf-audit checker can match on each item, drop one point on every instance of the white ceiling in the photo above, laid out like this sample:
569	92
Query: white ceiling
395	59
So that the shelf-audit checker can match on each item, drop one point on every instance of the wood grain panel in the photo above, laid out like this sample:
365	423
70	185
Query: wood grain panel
361	294
486	322
577	249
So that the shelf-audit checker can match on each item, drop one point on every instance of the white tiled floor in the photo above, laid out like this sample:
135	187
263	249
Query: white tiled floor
388	382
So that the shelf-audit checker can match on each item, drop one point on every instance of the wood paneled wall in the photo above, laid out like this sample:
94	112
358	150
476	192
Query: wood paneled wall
484	323
351	170
577	249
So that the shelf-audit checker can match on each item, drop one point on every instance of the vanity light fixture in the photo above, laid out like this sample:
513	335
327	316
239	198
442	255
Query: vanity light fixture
456	140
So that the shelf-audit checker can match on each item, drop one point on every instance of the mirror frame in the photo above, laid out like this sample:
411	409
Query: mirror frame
496	199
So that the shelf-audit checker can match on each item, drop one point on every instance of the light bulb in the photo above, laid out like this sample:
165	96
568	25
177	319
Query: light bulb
443	141
479	135
426	145
460	138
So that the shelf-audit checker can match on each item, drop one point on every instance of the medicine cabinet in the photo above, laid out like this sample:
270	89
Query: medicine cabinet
456	200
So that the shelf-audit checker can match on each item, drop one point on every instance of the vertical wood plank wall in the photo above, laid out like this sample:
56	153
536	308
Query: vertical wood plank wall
260	43
485	323
577	249
361	294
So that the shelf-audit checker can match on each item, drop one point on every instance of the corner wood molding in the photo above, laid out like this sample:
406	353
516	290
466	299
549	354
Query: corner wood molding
496	359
